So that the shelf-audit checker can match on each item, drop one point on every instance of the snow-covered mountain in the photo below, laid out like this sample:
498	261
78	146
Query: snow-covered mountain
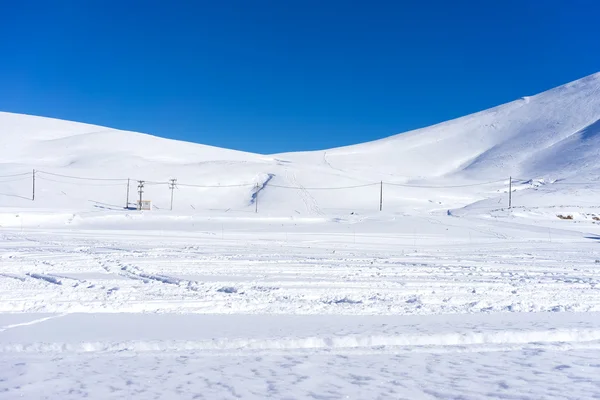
552	135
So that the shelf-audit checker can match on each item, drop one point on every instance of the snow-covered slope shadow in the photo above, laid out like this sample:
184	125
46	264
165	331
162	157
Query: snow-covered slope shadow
579	153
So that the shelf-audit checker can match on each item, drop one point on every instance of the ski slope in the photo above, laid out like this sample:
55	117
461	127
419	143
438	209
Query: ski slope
277	276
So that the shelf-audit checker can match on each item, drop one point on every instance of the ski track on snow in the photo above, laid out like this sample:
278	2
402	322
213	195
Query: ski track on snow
29	323
227	277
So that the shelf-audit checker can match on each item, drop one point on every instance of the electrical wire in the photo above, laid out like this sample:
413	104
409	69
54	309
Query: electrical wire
153	183
81	178
25	175
215	186
575	183
16	179
80	183
322	188
14	175
442	187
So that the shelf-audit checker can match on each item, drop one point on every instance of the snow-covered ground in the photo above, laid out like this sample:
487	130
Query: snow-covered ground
525	356
276	276
405	265
413	307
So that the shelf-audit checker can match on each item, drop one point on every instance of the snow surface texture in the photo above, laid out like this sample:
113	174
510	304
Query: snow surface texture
286	357
437	266
446	293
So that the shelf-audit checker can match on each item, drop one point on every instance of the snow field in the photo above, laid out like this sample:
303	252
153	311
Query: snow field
187	356
372	306
434	265
445	294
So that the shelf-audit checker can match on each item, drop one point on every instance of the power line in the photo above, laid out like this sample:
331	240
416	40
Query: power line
215	186
269	185
322	188
11	176
80	183
574	183
81	178
408	185
442	187
155	183
297	187
16	179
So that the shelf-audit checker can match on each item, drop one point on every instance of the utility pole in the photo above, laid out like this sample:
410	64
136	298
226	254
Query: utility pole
141	192
127	201
381	196
172	187
510	192
33	188
256	198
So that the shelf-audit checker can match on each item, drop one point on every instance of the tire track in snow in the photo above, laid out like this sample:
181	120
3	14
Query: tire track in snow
47	278
135	273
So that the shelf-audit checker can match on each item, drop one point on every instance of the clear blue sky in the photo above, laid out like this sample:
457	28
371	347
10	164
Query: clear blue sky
283	75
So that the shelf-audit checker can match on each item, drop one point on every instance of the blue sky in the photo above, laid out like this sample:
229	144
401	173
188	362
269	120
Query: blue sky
274	76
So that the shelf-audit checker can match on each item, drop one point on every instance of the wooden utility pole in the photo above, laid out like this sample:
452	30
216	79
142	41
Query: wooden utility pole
510	192
127	201
256	198
141	192
172	187
381	196
33	188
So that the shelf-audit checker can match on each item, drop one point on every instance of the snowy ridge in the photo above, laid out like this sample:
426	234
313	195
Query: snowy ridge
501	139
548	136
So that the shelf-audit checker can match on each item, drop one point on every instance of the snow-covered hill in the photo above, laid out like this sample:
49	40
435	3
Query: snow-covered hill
553	135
